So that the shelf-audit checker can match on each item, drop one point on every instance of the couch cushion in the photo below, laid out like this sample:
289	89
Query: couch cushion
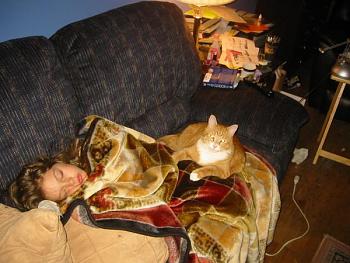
126	62
37	106
162	119
34	236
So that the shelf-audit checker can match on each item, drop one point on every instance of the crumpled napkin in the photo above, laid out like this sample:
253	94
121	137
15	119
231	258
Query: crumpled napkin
299	155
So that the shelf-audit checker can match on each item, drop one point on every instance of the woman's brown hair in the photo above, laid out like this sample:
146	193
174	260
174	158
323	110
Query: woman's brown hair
25	191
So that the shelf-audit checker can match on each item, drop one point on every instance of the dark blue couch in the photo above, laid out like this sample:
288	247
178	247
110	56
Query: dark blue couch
135	65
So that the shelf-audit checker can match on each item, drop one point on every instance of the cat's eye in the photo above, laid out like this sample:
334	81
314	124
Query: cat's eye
222	141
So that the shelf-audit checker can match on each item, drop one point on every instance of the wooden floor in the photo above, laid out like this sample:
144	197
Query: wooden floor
323	193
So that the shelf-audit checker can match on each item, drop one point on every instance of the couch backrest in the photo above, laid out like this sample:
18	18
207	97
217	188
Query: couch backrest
37	107
136	65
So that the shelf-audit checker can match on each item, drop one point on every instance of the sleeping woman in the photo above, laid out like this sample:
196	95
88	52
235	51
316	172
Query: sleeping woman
108	156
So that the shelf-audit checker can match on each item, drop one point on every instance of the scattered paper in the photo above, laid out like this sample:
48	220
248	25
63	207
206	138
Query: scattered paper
300	155
213	12
227	13
238	51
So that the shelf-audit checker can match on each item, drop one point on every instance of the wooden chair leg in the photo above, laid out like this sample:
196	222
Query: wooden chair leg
328	121
336	95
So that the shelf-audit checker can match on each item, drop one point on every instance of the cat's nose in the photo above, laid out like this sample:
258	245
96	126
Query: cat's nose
214	146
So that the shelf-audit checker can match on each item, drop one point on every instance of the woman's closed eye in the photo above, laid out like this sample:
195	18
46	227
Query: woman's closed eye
58	175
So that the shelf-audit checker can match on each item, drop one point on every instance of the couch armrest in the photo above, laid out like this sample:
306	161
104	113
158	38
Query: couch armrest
271	122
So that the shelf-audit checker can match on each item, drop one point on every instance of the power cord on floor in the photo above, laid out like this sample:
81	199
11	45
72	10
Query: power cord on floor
296	180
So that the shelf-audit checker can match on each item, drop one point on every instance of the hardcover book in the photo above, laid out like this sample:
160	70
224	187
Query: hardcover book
220	77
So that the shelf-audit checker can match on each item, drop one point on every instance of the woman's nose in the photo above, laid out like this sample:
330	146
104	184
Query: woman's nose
69	182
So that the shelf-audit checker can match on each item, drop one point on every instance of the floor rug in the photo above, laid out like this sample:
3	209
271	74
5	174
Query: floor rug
332	250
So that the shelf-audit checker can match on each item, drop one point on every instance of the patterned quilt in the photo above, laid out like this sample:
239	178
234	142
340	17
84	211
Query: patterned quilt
134	185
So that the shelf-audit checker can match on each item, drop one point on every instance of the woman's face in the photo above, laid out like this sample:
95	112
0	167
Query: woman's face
62	180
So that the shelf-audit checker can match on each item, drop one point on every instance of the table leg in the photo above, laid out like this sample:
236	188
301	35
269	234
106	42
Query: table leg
330	109
329	118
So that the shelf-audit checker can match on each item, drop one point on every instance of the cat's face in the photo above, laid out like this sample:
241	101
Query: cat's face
217	138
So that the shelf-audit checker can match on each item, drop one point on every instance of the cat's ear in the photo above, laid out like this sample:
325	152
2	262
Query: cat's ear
212	121
232	129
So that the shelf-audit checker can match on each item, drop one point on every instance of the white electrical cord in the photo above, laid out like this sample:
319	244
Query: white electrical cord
296	180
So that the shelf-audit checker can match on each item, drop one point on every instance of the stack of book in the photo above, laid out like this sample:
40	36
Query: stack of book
221	77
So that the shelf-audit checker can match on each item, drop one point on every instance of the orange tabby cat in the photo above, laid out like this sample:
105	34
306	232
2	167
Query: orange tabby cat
211	145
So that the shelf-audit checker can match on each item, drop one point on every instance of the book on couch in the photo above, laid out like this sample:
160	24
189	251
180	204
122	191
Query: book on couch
220	77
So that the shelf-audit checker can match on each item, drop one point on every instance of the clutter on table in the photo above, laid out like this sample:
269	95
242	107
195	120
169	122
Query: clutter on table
235	45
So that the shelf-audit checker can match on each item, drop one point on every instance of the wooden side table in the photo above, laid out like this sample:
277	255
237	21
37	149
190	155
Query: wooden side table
327	124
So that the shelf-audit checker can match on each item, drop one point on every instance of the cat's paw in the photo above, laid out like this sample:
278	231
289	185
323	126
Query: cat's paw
194	176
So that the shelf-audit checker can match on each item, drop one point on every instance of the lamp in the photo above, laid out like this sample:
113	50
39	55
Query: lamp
341	67
196	5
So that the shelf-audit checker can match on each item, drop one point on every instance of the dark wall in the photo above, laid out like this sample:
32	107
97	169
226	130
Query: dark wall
301	24
286	15
247	5
43	17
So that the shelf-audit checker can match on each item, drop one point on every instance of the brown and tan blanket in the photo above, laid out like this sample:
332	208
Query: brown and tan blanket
134	185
